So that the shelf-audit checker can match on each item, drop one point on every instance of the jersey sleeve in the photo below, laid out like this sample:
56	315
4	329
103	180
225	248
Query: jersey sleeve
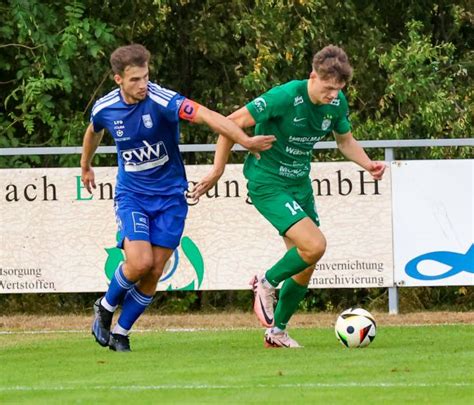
96	121
167	101
271	104
171	109
343	124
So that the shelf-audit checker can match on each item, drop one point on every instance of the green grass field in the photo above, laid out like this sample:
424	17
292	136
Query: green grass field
427	364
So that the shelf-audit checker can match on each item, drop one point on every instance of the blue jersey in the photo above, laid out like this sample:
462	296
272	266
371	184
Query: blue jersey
147	138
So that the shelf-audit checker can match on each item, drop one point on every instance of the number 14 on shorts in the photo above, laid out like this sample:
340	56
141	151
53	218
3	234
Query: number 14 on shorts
293	207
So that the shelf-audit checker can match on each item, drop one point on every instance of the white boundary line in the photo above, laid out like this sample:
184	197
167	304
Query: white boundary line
23	388
191	330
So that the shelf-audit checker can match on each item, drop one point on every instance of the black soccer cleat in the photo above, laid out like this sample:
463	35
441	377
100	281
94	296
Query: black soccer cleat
119	343
101	323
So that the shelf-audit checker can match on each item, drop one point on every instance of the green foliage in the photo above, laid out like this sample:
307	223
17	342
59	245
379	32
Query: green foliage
376	299
334	300
413	63
48	58
425	96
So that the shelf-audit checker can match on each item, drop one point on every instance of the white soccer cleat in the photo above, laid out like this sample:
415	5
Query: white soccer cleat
279	340
264	301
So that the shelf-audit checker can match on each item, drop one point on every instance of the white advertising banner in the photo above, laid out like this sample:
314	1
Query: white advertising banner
55	237
433	221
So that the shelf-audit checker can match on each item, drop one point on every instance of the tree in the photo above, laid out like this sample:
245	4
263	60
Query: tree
412	62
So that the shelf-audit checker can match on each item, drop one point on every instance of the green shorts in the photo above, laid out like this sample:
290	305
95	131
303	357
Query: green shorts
284	206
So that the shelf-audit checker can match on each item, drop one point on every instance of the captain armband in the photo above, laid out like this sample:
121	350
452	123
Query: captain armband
188	110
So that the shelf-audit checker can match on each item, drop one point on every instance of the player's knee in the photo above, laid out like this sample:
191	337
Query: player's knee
314	250
141	267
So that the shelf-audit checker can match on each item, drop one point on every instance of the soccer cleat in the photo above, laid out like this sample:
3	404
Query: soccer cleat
101	323
264	301
280	339
119	343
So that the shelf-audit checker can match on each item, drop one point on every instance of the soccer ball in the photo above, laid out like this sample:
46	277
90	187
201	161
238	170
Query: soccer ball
355	327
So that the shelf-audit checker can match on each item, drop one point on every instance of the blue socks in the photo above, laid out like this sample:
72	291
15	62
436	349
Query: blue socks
119	285
134	304
125	292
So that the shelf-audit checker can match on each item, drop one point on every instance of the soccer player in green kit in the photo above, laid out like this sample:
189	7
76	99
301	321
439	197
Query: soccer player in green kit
299	113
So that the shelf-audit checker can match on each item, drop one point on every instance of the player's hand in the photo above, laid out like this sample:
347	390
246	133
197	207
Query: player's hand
204	185
88	179
259	143
377	170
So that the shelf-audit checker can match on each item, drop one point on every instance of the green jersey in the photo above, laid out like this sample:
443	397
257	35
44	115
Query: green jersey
287	112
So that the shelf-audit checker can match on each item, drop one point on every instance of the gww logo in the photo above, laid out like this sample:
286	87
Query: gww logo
145	157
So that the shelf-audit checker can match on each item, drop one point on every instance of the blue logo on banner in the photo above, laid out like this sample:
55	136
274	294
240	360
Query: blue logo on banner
458	262
170	272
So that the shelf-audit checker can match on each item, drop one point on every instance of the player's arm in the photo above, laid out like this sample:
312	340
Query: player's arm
199	114
352	150
243	119
89	146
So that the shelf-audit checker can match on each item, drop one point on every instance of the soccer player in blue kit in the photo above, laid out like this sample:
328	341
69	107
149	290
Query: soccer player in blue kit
150	202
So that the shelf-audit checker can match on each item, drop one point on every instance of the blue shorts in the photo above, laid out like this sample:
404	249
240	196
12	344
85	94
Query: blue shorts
156	219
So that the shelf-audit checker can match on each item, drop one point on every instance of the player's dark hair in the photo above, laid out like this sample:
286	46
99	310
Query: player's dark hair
331	62
129	55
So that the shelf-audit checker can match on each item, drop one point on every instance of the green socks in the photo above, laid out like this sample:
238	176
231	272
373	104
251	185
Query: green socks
287	266
291	294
